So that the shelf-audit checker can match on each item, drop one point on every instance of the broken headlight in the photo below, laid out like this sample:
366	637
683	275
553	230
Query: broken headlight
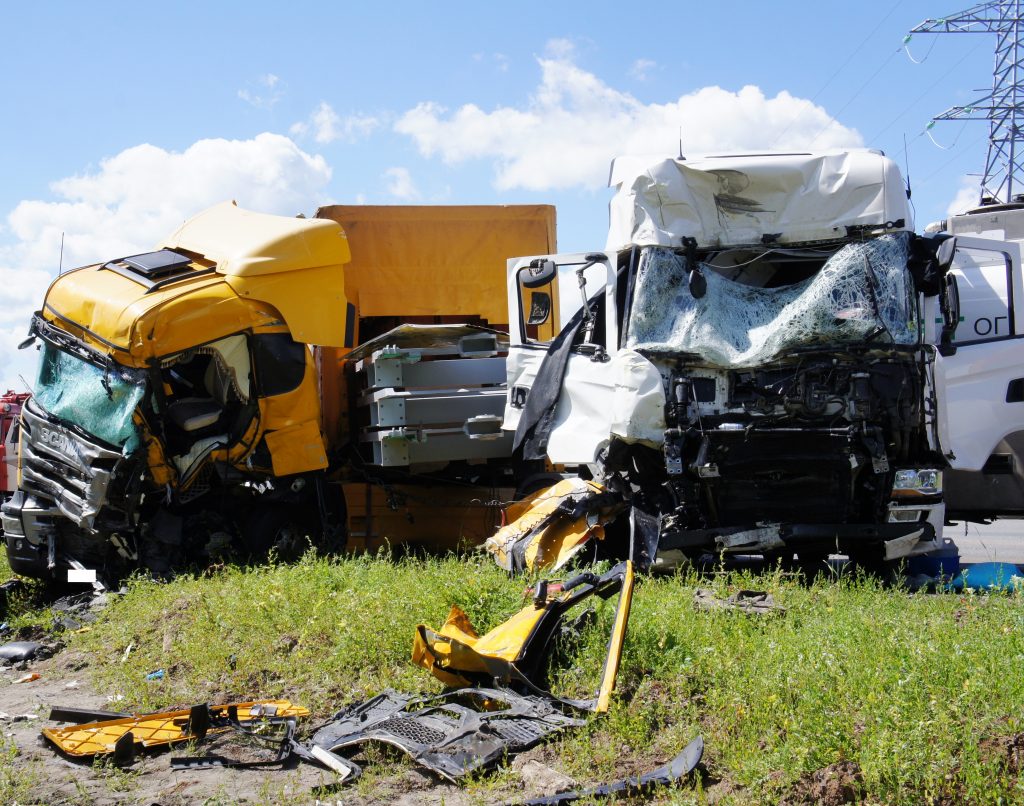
912	483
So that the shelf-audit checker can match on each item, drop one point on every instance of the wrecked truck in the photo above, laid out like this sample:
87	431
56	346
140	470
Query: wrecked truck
749	366
208	399
10	413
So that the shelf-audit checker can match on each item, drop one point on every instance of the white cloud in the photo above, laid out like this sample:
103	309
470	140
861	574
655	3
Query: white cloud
640	69
267	93
326	126
400	184
574	124
130	203
966	197
560	49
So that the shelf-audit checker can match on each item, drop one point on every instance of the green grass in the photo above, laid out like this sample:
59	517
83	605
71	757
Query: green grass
916	689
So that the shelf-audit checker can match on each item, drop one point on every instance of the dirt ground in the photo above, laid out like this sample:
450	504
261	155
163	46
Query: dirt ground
25	708
149	780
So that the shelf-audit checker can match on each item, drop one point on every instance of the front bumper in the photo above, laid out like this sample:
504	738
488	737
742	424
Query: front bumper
893	539
30	536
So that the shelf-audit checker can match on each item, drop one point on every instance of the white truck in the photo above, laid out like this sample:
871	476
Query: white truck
772	361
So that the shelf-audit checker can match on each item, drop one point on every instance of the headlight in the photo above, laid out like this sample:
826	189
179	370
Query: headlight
911	483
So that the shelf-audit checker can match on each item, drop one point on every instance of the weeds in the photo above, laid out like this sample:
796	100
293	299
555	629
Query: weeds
920	695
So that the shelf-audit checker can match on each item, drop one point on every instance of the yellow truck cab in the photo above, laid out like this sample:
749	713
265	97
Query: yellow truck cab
204	400
168	375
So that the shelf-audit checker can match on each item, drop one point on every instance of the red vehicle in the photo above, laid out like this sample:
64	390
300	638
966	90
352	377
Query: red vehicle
10	413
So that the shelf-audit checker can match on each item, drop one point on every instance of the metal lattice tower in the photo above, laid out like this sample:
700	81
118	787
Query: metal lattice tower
1003	108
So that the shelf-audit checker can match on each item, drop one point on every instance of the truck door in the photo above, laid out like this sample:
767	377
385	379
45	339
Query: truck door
980	381
544	294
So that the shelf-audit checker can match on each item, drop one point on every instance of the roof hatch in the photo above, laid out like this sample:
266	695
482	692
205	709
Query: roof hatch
153	269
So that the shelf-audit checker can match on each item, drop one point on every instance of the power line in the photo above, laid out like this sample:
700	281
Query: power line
1004	166
838	70
854	97
907	109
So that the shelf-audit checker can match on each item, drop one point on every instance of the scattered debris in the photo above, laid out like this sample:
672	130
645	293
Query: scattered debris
28	678
119	736
79	716
73	612
4	717
278	734
453	734
15	651
549	528
665	775
756	602
157	675
514	653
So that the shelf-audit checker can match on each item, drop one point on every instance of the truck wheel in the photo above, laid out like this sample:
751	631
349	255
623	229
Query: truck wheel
535	483
282	532
873	562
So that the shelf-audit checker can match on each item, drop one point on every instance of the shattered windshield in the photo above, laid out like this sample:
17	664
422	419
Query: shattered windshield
99	401
862	293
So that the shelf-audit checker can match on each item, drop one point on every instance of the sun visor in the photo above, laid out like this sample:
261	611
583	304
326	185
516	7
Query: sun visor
755	199
293	264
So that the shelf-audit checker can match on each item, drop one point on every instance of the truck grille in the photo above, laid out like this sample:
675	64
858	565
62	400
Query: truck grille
59	464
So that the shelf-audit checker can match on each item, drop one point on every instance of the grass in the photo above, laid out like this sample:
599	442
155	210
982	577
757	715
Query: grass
918	690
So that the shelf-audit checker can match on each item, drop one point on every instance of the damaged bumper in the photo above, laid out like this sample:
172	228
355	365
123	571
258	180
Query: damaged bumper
67	483
453	734
30	535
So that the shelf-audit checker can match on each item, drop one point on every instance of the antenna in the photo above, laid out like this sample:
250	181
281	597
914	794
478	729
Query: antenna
1004	106
906	162
681	157
60	263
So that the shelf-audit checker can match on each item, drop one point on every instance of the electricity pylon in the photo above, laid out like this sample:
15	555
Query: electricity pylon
1003	108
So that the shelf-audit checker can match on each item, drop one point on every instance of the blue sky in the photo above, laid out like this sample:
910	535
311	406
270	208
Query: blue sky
122	119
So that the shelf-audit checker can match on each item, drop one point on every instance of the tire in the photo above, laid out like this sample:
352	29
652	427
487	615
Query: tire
281	532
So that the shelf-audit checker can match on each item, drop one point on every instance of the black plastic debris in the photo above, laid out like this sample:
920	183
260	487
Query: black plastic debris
754	602
453	734
75	611
16	651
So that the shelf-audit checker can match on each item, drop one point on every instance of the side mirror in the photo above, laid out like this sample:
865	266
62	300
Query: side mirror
539	273
944	254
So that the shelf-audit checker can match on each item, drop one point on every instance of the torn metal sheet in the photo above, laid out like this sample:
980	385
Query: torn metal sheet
112	736
514	653
551	527
740	199
666	775
453	734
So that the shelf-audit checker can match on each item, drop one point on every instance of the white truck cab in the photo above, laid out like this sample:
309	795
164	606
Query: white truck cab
980	373
754	362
